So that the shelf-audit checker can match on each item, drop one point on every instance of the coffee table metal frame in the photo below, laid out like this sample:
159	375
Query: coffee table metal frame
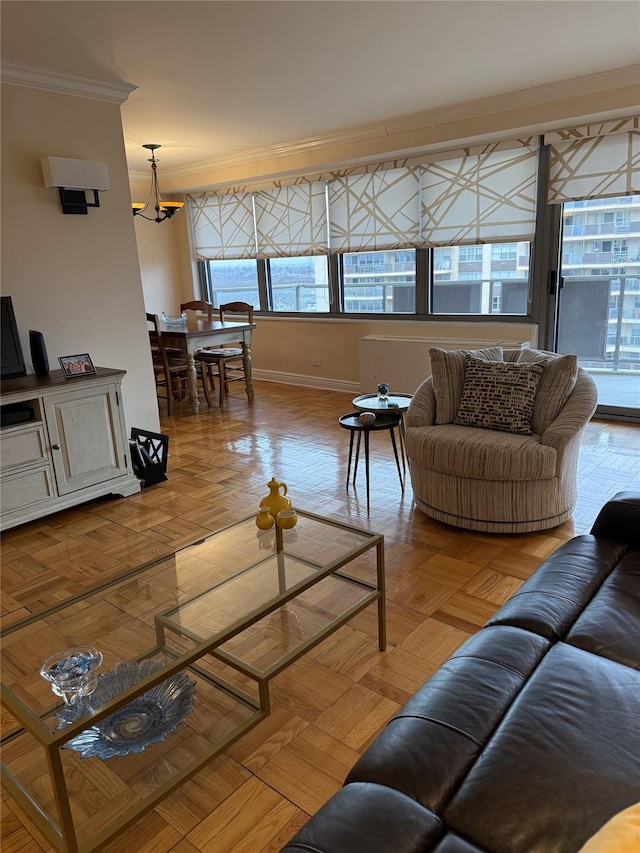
63	837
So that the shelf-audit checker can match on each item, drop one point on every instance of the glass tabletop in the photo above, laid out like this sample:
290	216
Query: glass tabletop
188	644
371	403
204	591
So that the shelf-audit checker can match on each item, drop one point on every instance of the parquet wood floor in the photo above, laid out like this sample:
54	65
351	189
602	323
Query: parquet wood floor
443	583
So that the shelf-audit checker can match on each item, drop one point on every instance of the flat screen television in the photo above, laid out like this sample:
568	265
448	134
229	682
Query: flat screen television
12	361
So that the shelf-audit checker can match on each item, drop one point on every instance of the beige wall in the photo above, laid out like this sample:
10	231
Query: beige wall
74	278
158	256
284	349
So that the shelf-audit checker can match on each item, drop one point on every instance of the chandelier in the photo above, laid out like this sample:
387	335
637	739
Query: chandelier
163	209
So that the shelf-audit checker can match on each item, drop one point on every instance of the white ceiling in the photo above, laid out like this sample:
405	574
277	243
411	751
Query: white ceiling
223	78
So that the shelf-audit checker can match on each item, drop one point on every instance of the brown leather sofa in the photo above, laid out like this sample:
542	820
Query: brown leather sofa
527	740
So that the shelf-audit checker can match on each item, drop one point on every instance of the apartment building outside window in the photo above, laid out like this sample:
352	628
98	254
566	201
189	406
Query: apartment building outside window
464	280
299	284
379	282
601	273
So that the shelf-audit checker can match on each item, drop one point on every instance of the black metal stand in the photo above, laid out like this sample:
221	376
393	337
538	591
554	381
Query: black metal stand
149	452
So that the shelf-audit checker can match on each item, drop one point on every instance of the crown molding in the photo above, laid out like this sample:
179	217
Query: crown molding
283	149
32	77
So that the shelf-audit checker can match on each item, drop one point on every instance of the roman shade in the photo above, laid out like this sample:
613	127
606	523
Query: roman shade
375	210
291	220
484	194
594	161
481	195
223	226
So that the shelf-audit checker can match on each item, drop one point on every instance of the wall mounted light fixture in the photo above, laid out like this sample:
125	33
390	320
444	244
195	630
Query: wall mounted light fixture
163	209
74	178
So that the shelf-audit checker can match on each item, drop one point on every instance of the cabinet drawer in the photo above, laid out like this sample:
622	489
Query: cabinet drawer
25	488
22	446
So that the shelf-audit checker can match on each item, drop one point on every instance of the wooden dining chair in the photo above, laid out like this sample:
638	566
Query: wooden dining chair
226	363
170	373
207	371
198	305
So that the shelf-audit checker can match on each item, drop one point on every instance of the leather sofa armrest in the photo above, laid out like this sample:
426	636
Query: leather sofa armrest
619	519
368	818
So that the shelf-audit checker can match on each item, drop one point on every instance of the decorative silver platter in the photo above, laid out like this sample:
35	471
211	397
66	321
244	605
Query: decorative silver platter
148	719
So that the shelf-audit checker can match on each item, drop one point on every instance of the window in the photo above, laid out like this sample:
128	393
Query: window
488	288
612	217
379	282
442	260
504	252
620	251
384	282
299	284
574	224
375	238
470	253
232	281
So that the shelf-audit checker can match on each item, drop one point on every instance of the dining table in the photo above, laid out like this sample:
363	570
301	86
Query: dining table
198	333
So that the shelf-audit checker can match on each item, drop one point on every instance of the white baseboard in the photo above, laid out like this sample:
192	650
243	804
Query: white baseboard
322	382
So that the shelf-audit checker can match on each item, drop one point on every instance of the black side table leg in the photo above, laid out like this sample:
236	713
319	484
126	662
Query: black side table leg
355	467
366	463
395	453
350	455
403	447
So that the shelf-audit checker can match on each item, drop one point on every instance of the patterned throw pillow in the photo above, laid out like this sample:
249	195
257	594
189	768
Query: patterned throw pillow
447	377
498	395
556	385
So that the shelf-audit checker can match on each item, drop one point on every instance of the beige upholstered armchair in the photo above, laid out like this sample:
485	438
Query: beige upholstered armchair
518	477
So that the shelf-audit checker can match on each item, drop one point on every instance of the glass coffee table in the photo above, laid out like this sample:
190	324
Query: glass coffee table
189	642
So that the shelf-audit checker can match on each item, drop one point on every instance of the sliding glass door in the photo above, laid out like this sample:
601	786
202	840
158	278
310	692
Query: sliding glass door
598	314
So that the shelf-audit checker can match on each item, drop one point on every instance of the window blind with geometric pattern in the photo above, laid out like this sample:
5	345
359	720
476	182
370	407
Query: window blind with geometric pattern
485	195
375	210
291	220
223	226
594	161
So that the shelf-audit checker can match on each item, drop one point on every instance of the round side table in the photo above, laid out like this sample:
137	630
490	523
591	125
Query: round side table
371	403
384	420
394	403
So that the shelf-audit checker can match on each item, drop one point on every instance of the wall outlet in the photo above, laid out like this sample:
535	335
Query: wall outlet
316	362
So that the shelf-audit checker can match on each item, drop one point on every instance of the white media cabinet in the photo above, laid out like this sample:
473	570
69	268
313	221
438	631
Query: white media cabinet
73	450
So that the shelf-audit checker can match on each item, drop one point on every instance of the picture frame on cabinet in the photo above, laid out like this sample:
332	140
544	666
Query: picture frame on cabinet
77	365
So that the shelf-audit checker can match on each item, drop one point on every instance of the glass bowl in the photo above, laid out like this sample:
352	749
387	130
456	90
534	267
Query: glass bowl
174	321
72	673
146	720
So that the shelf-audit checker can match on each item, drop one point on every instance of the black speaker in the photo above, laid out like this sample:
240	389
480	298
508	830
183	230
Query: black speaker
39	358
